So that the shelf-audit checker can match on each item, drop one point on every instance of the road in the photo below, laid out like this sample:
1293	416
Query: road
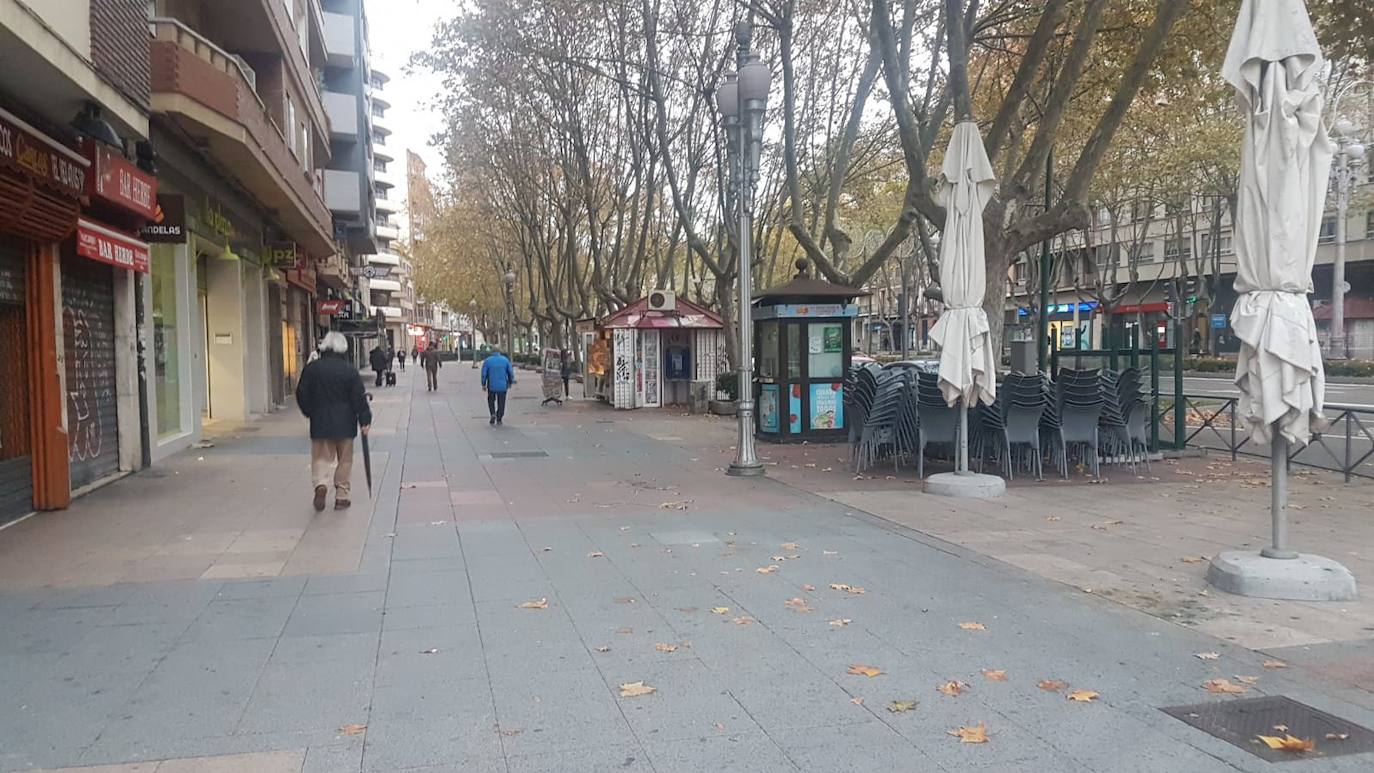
1354	395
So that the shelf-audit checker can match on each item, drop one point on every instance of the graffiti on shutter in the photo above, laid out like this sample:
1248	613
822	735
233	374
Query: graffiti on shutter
89	337
624	371
649	346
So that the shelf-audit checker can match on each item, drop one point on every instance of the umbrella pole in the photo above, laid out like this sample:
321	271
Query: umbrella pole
963	436
1278	462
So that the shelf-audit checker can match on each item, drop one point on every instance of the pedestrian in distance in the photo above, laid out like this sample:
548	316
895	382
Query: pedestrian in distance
380	361
401	360
414	354
497	378
565	370
429	358
331	395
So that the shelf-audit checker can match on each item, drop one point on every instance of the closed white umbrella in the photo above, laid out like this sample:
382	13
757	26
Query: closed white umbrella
968	366
1275	65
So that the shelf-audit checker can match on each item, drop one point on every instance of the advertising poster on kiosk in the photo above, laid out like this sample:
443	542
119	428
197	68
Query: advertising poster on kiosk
827	407
768	408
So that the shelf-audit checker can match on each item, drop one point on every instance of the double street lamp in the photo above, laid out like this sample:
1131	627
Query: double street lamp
510	311
1347	174
742	101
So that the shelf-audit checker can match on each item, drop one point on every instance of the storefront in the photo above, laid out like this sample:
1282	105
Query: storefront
647	355
41	182
1071	325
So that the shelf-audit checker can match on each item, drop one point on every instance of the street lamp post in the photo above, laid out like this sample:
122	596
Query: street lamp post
1349	160
472	336
510	311
742	101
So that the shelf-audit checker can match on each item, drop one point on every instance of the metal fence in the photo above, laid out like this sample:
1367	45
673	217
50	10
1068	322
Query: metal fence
1212	422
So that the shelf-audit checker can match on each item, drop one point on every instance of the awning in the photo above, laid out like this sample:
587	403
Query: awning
106	245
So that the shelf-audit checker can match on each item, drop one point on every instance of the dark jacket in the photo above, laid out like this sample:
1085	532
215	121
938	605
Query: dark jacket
565	369
331	395
380	360
430	359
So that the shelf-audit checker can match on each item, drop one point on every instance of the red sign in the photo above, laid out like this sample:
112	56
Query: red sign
329	307
32	153
114	179
107	245
1144	308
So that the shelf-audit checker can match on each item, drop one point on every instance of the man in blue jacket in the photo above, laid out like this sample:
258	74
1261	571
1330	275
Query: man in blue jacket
497	377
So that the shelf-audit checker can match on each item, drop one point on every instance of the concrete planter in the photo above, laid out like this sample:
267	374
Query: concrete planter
724	407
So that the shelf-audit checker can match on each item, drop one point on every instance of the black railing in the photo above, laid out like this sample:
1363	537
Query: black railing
1211	421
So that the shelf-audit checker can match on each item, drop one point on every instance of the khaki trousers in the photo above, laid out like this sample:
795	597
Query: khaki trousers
332	460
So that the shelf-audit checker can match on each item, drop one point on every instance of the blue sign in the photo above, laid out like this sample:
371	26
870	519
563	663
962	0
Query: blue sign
1062	308
1219	321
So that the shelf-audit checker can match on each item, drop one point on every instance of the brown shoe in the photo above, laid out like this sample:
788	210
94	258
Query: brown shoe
320	493
341	504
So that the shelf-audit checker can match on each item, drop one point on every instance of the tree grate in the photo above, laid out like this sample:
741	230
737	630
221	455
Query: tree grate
1240	722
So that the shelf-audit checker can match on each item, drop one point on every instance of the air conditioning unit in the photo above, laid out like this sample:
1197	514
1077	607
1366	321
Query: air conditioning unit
663	300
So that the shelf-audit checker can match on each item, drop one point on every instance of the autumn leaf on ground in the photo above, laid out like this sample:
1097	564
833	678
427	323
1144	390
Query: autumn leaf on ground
1337	736
1103	525
846	588
625	599
840	621
1223	686
1082	696
1052	518
596	554
624	631
995	675
1207	655
635	689
1274	664
536	604
897	707
431	651
745	620
830	552
857	701
720	610
1051	685
797	605
976	734
1281	728
675	505
353	729
861	670
973	626
808	587
952	688
511	732
1288	743
767	569
1247	679
662	647
1193	559
603	648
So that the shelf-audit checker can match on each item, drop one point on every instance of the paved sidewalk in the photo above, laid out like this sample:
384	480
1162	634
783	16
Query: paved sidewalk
485	612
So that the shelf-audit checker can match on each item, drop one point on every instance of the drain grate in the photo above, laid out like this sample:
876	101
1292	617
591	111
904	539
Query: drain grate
519	454
1238	722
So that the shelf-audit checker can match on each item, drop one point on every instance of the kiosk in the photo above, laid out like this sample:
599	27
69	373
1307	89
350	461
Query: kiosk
648	353
803	348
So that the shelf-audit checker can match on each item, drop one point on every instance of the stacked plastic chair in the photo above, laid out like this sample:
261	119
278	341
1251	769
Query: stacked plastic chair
860	387
939	422
1123	419
1072	416
878	436
1013	421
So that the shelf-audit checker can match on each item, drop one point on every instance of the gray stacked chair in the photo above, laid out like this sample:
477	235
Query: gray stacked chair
939	422
879	433
859	390
1072	416
1013	420
1123	417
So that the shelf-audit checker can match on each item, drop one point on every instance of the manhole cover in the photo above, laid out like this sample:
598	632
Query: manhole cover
519	454
1239	722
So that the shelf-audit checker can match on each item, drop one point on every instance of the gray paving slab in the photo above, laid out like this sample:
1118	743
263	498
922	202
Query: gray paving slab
562	710
427	588
345	583
582	760
336	613
429	616
741	753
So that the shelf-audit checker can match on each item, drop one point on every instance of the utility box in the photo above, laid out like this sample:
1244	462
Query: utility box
1023	357
700	396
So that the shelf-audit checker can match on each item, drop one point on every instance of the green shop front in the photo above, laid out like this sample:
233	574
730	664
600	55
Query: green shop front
803	346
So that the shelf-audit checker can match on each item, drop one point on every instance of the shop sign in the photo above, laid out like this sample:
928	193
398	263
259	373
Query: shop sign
106	245
168	222
116	180
806	310
215	220
1219	321
1084	307
280	254
370	271
30	152
329	307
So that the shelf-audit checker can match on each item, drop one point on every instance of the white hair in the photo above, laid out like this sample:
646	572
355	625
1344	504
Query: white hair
335	342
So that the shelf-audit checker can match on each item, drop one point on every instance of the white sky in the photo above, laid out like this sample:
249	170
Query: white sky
398	28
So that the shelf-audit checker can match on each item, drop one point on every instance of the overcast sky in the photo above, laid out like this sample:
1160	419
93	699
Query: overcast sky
398	28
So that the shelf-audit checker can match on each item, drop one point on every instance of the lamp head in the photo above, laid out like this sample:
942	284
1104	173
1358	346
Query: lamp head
744	32
727	96
510	277
90	123
1355	152
754	79
1343	127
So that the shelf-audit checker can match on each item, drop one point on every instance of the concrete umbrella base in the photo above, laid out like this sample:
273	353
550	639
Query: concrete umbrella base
1305	578
966	485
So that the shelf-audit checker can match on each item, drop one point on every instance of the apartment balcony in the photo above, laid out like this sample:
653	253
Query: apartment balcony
380	153
390	312
380	124
343	191
388	205
384	285
391	178
209	95
388	231
333	271
342	110
340	40
384	259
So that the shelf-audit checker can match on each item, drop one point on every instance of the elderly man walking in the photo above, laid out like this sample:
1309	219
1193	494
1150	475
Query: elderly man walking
430	359
331	395
497	377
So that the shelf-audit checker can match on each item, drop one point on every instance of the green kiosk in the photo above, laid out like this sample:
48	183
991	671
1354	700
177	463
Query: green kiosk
802	349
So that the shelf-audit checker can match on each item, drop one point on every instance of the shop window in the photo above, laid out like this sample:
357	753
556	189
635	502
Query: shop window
1369	224
768	350
1143	252
1177	249
1225	242
794	350
166	342
825	350
1328	233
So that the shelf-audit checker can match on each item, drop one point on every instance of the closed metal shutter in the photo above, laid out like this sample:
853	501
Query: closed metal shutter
16	461
88	330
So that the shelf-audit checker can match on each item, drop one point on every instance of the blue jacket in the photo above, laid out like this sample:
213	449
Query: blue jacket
497	374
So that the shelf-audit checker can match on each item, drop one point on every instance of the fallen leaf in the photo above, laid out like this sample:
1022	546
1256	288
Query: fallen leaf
808	586
830	552
846	588
433	651
596	554
777	558
624	599
1247	679
1193	559
675	505
840	621
973	626
897	707
1274	664
1051	685
353	729
789	546
536	604
857	701
511	732
862	670
1082	696
952	688
1053	518
1103	526
635	689
662	647
1288	743
720	610
745	620
1281	728
976	734
797	605
603	648
995	676
624	631
767	569
687	610
1337	736
1223	686
1207	655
